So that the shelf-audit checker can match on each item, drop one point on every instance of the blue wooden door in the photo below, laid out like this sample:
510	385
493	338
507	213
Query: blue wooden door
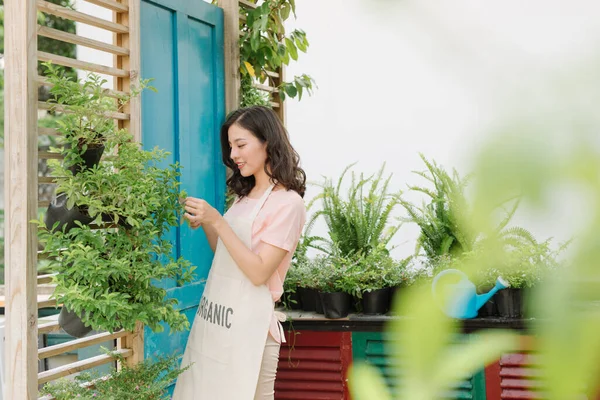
182	50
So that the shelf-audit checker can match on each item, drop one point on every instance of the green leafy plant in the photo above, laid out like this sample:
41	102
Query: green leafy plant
443	218
106	275
250	95
440	218
148	380
310	271
378	270
358	222
265	45
523	265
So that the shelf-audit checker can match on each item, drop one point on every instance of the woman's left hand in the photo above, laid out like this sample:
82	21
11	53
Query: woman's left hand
199	212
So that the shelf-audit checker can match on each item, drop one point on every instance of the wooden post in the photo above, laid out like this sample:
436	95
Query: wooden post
20	190
231	25
131	63
135	342
277	98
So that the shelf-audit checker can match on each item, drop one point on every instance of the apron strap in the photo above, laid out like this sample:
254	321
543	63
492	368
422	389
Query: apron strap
261	202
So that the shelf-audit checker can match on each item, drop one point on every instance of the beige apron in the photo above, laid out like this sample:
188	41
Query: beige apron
229	332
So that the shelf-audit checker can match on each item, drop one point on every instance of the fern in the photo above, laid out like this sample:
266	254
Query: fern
359	221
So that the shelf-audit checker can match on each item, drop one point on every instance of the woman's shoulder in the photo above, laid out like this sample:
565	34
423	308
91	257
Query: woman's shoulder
288	199
284	195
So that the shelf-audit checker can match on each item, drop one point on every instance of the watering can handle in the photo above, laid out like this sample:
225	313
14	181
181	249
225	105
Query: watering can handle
443	273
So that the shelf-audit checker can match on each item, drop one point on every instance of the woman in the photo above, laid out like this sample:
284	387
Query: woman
234	343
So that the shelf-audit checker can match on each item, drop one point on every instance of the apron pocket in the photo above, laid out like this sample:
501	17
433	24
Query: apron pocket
217	319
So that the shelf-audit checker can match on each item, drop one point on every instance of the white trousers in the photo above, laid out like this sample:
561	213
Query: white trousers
265	388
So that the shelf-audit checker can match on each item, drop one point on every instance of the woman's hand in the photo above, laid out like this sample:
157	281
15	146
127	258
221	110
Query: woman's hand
199	212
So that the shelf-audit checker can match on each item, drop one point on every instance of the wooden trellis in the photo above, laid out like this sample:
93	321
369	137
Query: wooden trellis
232	60
21	184
22	157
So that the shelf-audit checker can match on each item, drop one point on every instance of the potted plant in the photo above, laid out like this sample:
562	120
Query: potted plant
311	283
397	276
339	284
524	267
371	274
359	221
378	278
84	128
291	295
150	379
104	276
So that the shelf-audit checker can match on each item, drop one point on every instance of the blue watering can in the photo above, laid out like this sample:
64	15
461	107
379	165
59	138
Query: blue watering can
462	300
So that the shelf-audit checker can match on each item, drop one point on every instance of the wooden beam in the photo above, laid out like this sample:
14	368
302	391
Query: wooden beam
46	179
78	366
43	81
232	53
272	74
48	327
48	131
46	155
247	4
80	40
42	105
63	12
110	4
265	88
71	62
44	279
62	348
21	196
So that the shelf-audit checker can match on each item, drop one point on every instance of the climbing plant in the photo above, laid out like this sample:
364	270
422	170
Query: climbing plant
266	46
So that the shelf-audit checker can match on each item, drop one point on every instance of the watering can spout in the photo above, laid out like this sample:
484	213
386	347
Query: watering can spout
483	298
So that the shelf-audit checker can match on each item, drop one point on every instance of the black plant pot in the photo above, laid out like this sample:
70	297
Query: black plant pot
394	291
336	305
510	303
91	157
319	305
110	220
58	212
376	301
308	298
292	300
72	324
356	305
489	309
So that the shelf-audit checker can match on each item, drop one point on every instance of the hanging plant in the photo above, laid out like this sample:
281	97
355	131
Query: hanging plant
105	276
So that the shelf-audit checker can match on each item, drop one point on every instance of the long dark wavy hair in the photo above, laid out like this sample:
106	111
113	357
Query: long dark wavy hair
283	160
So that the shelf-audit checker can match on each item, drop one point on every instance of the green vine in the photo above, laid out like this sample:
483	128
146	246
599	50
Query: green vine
265	46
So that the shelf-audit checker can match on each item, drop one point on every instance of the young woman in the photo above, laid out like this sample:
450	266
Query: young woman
234	342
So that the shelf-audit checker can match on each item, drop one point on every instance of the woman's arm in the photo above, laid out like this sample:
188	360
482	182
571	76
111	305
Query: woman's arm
210	232
211	235
257	267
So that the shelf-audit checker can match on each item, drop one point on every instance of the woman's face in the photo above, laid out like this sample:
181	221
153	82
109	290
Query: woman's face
247	152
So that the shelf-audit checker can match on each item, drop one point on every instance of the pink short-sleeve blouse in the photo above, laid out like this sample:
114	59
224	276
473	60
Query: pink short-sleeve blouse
279	223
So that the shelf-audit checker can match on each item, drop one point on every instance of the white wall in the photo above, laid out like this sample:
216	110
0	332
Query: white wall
396	78
91	55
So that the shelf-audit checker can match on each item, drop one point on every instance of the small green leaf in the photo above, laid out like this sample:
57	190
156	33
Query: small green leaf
292	49
291	91
286	8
